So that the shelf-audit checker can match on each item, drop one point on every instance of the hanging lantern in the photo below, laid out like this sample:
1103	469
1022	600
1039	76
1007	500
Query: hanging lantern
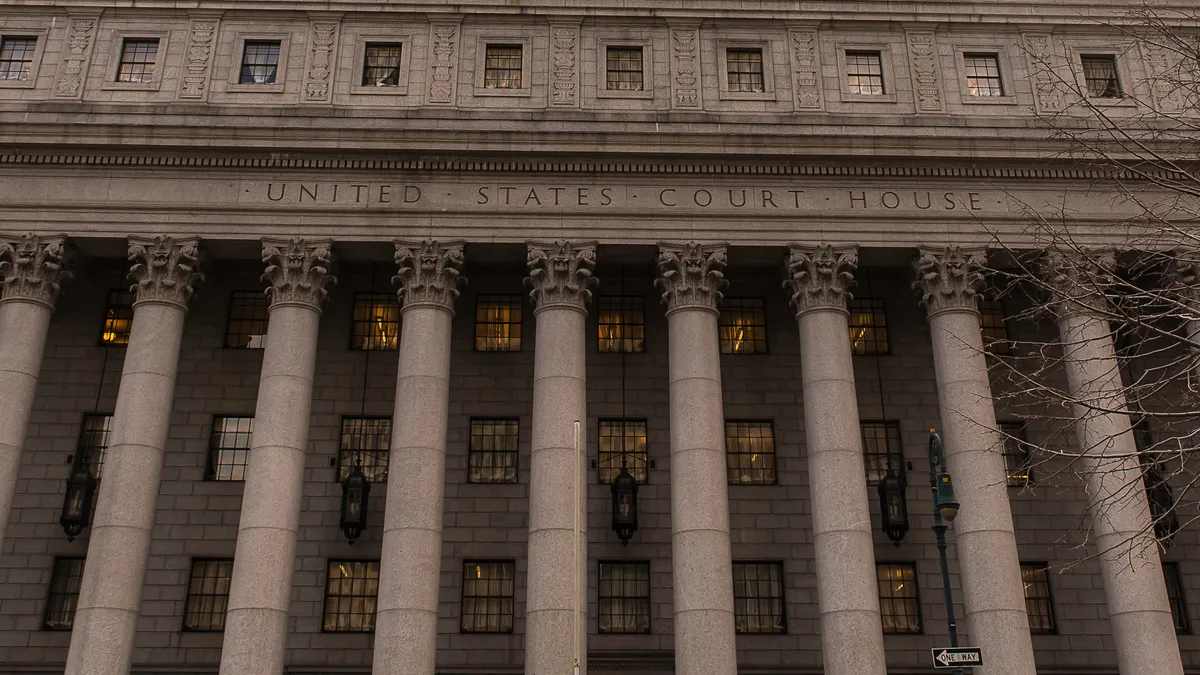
77	502
624	498
356	488
893	506
1162	506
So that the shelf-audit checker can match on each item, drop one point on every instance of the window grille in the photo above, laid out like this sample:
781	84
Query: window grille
1100	76
376	322
487	596
758	605
118	318
745	69
229	447
493	450
864	73
1018	459
93	442
882	451
621	324
138	57
899	599
750	452
502	67
1038	604
992	327
868	327
498	323
624	69
1177	599
381	65
743	326
350	595
260	62
370	439
623	593
247	327
16	57
983	75
208	594
65	579
618	435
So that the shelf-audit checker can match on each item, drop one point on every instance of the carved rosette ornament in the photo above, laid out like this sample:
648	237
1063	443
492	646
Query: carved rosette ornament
821	276
560	274
164	269
691	276
428	273
1077	280
297	271
948	278
31	269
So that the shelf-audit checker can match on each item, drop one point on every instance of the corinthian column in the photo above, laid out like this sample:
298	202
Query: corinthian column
947	279
164	269
260	592
690	280
847	595
411	565
556	605
1186	278
1119	516
30	270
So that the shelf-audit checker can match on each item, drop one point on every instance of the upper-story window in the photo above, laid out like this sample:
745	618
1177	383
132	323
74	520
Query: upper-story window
381	64
16	57
745	69
498	323
868	326
138	59
118	318
993	328
248	317
743	326
260	62
503	66
621	324
983	75
65	579
864	73
376	322
1100	76
624	69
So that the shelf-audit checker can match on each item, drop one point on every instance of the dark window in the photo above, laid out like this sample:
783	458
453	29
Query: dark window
260	62
208	594
502	67
983	75
376	321
492	451
624	69
868	326
745	69
487	596
1038	604
350	594
864	73
743	326
93	442
498	323
1175	595
366	440
381	65
247	328
1017	456
617	436
758	605
882	451
138	57
118	318
65	578
750	452
624	597
229	447
1100	76
899	601
621	324
993	328
16	57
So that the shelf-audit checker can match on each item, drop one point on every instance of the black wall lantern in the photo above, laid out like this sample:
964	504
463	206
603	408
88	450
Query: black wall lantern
356	489
624	504
77	502
893	506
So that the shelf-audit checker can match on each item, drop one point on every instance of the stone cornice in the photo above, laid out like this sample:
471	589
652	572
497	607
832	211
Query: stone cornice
948	278
32	267
428	273
297	271
821	276
164	269
691	276
560	274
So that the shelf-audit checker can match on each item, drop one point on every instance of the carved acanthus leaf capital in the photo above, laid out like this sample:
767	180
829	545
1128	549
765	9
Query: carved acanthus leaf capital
1185	276
164	269
32	268
428	272
1078	280
691	276
561	273
949	277
297	270
821	276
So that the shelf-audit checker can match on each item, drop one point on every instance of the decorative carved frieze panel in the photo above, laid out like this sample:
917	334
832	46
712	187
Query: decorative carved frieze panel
1047	88
922	55
318	73
564	64
806	68
198	59
77	49
444	46
685	67
1163	76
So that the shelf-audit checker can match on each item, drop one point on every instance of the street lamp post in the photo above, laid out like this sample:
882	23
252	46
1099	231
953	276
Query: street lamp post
945	508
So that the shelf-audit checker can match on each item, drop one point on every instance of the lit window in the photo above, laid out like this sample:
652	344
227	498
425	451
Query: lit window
750	452
624	69
487	597
1175	595
65	579
1017	455
260	62
622	436
622	324
983	75
993	328
899	601
745	69
868	327
502	67
1037	598
623	594
137	60
93	442
498	323
207	594
365	440
118	318
381	65
743	326
350	595
758	605
229	447
492	451
864	73
376	321
16	57
882	451
247	327
1100	76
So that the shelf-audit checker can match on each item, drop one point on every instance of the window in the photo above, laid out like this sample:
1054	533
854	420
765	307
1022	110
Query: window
743	326
229	447
622	324
1100	76
247	327
624	69
502	67
365	439
758	605
207	594
138	57
1179	607
118	318
864	73
623	592
882	451
381	64
350	593
1037	598
16	57
498	323
65	578
93	442
868	326
487	596
745	69
899	601
376	322
983	75
617	436
750	452
1017	456
492	451
260	62
993	328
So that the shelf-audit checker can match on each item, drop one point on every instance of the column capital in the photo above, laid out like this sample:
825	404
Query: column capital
821	276
32	268
164	269
428	272
691	276
1077	279
297	271
560	273
1185	274
948	278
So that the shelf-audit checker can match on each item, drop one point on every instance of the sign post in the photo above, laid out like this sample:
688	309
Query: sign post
957	657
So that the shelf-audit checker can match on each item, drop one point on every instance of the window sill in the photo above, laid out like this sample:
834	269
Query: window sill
502	93
625	93
153	85
276	88
747	95
367	90
868	98
968	99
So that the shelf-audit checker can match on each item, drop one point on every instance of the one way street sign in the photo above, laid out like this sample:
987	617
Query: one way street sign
957	657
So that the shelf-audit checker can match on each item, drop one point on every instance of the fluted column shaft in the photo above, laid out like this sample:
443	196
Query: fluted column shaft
110	594
847	591
411	562
261	588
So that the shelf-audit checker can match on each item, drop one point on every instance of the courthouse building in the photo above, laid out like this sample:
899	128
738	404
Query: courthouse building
308	306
